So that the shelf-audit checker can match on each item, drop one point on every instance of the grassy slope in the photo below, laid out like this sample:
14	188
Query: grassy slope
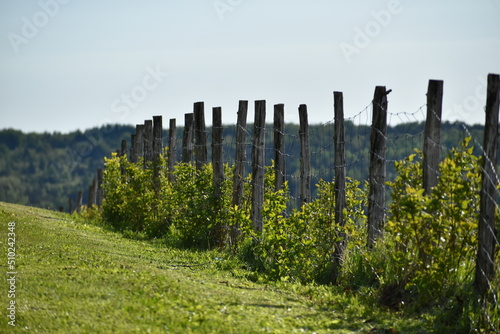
78	278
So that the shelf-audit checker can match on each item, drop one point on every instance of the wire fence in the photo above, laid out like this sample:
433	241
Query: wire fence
402	134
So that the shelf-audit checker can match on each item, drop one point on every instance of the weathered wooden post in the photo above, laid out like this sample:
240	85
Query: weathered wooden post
487	238
200	136
92	193
89	199
133	147
258	168
148	141
157	137
376	197
157	147
79	202
305	157
187	139
218	171
239	164
123	148
279	146
70	205
172	148
217	150
340	181
432	134
139	141
100	190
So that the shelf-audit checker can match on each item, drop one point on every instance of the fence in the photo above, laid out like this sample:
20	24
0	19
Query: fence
199	144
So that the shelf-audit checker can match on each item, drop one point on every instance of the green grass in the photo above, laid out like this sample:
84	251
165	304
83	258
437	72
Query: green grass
74	277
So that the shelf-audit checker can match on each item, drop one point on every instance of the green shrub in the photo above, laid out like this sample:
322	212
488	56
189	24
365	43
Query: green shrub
301	247
134	200
434	235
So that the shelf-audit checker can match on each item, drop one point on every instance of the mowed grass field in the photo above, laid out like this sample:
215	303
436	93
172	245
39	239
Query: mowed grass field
76	277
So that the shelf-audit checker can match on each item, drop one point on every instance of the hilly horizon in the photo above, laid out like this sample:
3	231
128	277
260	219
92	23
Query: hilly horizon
44	170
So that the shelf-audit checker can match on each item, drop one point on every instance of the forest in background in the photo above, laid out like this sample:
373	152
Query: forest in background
45	169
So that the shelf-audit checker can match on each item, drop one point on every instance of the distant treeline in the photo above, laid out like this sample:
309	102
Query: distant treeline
44	169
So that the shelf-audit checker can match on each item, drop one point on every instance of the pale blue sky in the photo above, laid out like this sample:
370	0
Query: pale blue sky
75	64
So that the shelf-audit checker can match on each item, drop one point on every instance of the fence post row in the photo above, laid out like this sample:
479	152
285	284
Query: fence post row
279	146
147	143
239	164
432	134
376	196
305	159
340	180
258	155
487	239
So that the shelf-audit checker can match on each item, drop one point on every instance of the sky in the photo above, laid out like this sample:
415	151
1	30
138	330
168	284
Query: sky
75	64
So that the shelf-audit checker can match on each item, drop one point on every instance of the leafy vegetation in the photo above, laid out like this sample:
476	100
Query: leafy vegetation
425	260
436	235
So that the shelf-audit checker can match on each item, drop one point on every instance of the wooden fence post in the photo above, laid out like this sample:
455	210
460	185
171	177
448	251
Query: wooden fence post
157	137
218	170
258	168
92	193
70	205
487	238
340	181
305	158
139	141
148	141
279	146
239	164
89	197
123	148
79	202
100	191
156	148
432	135
133	147
172	148
200	135
187	139
376	197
